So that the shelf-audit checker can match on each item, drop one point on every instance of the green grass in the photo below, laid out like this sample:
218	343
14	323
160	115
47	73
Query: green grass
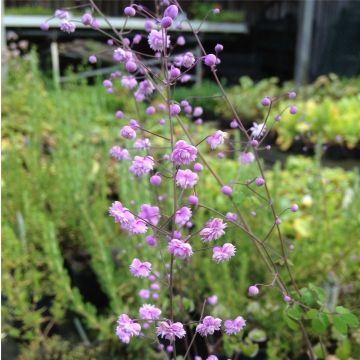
58	182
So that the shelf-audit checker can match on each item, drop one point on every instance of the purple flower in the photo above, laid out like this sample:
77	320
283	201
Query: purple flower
151	240
171	11
67	26
140	269
129	11
142	144
137	226
127	328
292	95
127	132
92	59
234	326
148	25
198	111
121	214
150	213
219	48
146	87
210	60
169	330
144	294
61	14
226	190
259	181
198	167
44	26
188	60
231	216
150	110
155	180
266	101
183	153
141	165
294	207
213	230
293	110
128	82
180	248
87	19
166	22
246	158
156	40
119	153
174	109
137	38
183	215
253	290
180	41
131	66
212	300
193	200
208	326
149	312
223	253
186	179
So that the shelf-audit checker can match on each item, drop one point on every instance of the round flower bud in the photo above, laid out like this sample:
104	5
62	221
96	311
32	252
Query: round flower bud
292	95
174	109
294	207
110	42
254	143
193	200
44	26
129	11
210	60
171	11
169	348
131	66
180	41
174	72
226	190
219	47
107	83
92	59
266	101
259	181
162	121
198	167
150	110
155	180
212	300
87	19
150	240
166	22
277	117
234	124
277	221
287	298
253	290
119	114
216	11
220	155
293	110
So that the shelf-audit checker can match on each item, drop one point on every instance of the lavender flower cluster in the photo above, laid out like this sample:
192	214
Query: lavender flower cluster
182	167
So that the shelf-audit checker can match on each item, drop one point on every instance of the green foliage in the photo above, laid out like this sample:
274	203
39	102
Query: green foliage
58	182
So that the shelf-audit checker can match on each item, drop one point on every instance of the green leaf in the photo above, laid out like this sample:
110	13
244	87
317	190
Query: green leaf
340	325
257	335
318	326
341	310
312	314
295	312
350	319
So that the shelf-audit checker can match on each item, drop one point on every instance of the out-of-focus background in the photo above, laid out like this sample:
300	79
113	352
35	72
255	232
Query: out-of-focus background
64	263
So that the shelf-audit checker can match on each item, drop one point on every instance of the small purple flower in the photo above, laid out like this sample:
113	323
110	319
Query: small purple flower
210	60
186	179
246	158
92	59
293	110
212	300
216	139
182	216
292	95
223	253
127	328
131	66
180	248
121	214
142	144
142	165
287	298
87	19
119	153
213	230
180	41
129	11
294	207
174	72
144	294
140	269
231	216
137	38
107	83
193	200
151	240
259	181
171	11
219	48
166	22
44	26
208	326
155	180
266	101
183	153
156	40
149	312
198	111
226	190
169	330
150	110
67	26
148	25
150	213
253	290
174	109
119	114
128	82
234	326
188	60
198	167
127	132
61	14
